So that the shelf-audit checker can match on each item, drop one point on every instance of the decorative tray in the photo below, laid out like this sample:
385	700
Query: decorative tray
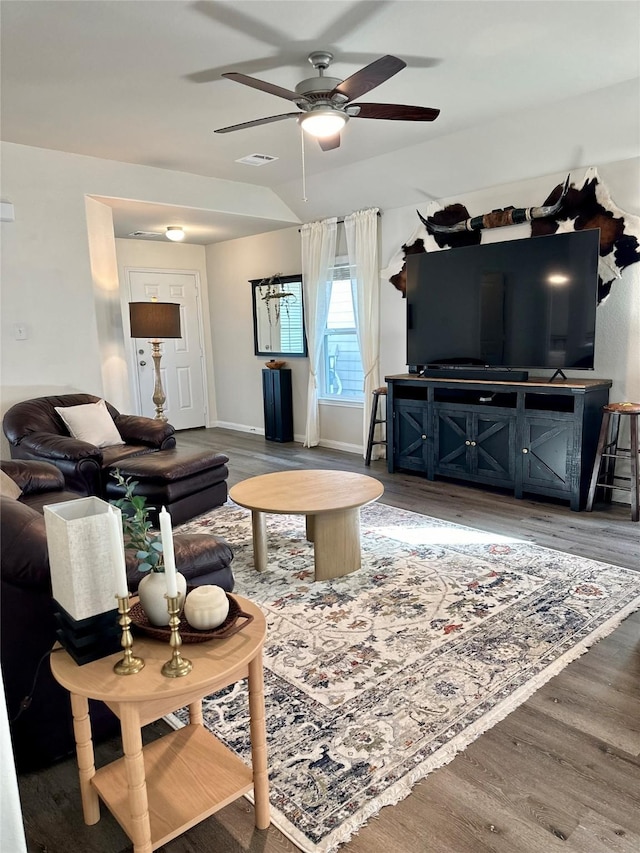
236	620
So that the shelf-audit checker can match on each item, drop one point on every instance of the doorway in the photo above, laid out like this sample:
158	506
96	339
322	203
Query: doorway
182	367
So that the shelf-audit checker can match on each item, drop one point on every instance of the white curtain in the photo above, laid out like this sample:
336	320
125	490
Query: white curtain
318	258
362	246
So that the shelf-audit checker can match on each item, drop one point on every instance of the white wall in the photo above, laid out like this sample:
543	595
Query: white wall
231	265
50	267
12	838
617	344
106	290
49	258
602	126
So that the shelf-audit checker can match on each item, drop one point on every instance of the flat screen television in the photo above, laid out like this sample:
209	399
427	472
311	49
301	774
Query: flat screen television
514	304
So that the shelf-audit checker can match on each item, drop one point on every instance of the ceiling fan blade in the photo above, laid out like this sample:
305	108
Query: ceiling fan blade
255	123
396	112
330	142
369	77
271	88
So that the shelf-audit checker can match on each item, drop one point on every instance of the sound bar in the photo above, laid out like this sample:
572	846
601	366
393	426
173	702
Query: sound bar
473	373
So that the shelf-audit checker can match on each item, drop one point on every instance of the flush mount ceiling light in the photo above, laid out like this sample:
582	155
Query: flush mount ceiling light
323	121
175	233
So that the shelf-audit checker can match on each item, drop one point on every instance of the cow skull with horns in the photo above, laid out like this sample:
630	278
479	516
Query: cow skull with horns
498	218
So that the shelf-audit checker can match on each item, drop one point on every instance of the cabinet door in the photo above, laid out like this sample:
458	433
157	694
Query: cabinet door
411	436
546	454
477	445
452	442
493	444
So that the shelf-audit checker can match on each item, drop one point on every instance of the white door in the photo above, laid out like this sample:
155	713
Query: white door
182	364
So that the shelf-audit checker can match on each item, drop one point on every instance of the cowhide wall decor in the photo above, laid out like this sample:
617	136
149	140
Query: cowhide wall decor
588	205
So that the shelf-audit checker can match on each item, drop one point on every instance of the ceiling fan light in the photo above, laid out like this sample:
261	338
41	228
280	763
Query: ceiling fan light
324	122
175	233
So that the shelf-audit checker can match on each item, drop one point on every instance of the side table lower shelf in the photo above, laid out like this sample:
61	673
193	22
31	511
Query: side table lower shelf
190	776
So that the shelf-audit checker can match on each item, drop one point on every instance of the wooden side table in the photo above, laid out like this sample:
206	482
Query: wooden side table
159	791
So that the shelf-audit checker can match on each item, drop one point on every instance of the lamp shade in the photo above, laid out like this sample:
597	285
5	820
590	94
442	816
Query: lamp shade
80	556
155	320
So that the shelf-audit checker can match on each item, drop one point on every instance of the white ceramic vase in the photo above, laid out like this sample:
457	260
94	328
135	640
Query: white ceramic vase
152	591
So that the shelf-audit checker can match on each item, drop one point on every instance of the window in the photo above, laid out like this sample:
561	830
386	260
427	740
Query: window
342	376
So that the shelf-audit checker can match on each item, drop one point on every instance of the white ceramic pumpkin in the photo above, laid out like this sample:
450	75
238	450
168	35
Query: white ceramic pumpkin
206	607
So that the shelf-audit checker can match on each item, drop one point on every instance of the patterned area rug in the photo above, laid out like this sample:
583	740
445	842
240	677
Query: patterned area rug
375	679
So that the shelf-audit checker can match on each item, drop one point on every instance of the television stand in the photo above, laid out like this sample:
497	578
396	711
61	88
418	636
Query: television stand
482	373
529	437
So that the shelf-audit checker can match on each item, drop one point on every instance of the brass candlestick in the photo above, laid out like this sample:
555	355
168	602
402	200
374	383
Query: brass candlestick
178	665
129	663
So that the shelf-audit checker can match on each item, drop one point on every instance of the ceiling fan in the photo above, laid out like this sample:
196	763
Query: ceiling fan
325	102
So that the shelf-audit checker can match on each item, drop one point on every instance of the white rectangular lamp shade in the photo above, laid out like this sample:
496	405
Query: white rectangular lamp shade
81	556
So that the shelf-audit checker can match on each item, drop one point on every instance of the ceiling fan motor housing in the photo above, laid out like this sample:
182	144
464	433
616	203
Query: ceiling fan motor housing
316	88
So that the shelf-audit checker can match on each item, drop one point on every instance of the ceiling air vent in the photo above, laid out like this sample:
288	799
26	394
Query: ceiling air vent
257	159
145	234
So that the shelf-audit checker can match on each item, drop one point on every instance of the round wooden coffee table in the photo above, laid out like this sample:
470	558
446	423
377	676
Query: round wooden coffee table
331	502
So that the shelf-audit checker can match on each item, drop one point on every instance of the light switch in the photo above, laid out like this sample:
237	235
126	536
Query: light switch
20	331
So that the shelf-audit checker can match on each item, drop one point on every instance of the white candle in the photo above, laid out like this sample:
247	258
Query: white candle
117	553
167	550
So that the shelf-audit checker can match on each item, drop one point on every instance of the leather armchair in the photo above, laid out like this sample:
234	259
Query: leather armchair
35	431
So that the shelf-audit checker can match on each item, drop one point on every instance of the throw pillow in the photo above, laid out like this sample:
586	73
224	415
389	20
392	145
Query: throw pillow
8	487
92	423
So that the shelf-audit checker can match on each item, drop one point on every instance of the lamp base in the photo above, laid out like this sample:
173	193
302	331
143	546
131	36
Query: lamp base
159	397
88	639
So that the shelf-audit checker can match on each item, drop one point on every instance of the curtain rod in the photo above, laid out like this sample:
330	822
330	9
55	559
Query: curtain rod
342	218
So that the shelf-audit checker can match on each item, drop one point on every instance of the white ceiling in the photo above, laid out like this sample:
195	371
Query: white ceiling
139	81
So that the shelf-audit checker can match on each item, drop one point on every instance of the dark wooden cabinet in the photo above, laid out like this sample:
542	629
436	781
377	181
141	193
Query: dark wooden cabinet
533	437
278	404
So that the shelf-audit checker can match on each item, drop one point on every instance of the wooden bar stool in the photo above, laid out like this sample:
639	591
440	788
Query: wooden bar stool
375	420
604	475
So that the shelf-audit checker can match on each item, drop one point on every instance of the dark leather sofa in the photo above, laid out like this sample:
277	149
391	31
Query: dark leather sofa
36	431
42	732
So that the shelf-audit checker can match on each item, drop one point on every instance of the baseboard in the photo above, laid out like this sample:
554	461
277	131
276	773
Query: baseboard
239	427
332	445
341	445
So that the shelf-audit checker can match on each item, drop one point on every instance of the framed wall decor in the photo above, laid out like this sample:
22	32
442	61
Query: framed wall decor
278	316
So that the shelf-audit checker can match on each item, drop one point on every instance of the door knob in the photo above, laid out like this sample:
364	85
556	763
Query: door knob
468	443
525	450
142	363
473	444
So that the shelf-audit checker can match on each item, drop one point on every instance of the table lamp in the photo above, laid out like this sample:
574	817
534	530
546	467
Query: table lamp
155	321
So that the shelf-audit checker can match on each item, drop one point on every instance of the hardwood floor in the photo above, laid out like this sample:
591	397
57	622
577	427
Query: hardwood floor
562	772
